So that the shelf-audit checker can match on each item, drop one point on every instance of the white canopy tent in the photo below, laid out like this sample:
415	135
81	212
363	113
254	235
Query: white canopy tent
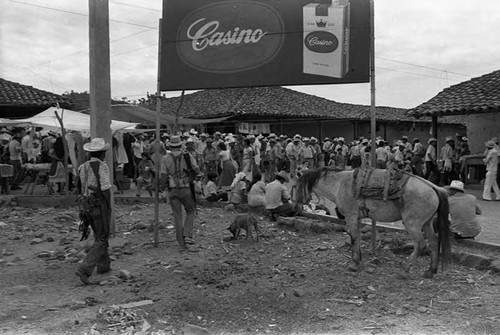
71	120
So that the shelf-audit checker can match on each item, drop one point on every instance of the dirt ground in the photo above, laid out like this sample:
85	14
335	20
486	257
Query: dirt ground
288	282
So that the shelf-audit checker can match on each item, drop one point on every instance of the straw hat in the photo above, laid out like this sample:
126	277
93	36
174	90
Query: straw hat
341	139
457	185
449	139
97	144
490	144
175	141
432	139
283	175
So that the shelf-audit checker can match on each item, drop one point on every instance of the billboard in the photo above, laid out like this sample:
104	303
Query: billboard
245	43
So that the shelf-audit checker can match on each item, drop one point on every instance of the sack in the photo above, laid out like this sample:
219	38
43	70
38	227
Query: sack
87	203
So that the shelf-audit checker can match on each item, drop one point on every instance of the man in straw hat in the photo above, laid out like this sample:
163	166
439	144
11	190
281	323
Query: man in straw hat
491	162
94	186
430	159
463	211
448	157
278	197
181	169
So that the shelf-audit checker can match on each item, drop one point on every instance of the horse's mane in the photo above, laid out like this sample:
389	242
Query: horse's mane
308	181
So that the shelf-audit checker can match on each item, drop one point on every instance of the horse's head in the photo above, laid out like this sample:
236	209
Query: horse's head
301	191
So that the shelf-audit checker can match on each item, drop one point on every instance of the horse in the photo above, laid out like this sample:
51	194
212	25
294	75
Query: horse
418	205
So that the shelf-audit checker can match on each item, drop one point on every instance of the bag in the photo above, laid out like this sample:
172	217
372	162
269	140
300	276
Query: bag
87	203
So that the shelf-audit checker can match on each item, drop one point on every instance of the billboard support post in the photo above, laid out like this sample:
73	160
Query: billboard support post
157	146
373	120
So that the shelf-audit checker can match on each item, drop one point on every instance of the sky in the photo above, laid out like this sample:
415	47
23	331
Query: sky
421	48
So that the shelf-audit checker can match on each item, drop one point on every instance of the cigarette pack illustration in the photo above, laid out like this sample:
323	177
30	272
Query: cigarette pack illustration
326	38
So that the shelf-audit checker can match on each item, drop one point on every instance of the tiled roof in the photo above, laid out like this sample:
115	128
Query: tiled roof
278	102
133	113
15	94
478	95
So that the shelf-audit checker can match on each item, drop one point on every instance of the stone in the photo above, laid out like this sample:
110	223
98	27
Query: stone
3	224
298	293
49	239
495	265
322	248
36	241
39	235
229	208
124	274
44	254
77	305
422	309
7	253
195	330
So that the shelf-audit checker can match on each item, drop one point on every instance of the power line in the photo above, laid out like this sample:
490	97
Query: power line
423	66
134	6
414	73
80	14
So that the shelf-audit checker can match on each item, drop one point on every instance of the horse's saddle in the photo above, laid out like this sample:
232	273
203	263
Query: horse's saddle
378	184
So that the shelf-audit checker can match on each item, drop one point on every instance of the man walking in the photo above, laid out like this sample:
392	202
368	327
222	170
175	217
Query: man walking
491	162
94	185
181	168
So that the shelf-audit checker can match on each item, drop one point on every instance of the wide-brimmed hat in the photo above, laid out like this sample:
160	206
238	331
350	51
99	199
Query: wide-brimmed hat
193	132
283	175
306	139
96	144
175	141
432	139
404	137
364	141
449	139
210	139
457	185
340	139
490	144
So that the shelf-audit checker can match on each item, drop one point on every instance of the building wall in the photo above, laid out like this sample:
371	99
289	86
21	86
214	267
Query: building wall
481	128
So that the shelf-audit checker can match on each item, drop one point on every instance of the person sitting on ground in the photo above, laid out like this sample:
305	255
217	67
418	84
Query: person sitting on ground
146	173
257	193
238	189
463	210
212	193
278	197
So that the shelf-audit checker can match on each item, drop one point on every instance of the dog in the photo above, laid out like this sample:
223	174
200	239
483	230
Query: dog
247	222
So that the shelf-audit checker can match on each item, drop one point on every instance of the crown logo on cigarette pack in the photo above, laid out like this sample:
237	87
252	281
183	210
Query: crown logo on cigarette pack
321	23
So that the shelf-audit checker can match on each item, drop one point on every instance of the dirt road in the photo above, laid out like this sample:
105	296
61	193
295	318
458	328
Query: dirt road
287	283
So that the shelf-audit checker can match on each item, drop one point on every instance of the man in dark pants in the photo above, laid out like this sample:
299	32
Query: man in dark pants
181	167
94	185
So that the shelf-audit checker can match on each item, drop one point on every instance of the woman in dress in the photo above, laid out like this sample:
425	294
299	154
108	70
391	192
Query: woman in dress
228	167
247	159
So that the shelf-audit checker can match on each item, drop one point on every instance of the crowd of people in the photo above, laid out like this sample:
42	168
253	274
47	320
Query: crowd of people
220	156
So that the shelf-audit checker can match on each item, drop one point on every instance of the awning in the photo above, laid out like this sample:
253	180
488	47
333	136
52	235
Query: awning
71	120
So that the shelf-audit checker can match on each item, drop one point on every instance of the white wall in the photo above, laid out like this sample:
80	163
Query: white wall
481	128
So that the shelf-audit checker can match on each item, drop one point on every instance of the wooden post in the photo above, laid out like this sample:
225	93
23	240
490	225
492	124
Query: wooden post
157	146
100	82
373	121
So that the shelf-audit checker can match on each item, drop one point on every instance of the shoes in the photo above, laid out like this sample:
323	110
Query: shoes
84	278
102	271
189	240
183	248
138	195
486	199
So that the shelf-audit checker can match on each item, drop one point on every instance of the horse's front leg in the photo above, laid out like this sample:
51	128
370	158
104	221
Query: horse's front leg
353	228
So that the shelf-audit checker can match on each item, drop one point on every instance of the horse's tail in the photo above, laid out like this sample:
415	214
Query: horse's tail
443	228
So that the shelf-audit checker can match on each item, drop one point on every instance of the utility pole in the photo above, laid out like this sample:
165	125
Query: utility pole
100	83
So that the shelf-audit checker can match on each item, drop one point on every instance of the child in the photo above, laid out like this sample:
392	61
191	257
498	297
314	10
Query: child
331	162
238	189
339	160
146	171
211	192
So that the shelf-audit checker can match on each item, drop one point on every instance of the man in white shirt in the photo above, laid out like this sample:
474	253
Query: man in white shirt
463	211
430	159
491	162
278	197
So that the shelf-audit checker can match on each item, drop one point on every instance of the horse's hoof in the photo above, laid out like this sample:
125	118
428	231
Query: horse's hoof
353	267
428	274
